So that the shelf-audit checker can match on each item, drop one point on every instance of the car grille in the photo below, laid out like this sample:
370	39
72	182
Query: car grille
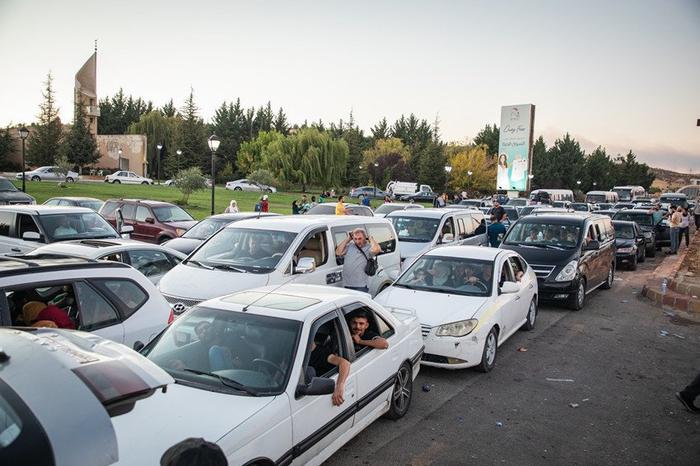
434	358
542	271
20	202
425	330
180	305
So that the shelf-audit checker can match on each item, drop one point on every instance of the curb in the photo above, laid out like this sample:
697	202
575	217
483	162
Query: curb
677	301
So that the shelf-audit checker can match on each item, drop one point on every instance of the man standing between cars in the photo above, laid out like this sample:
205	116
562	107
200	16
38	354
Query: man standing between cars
497	212
357	251
675	223
362	335
495	232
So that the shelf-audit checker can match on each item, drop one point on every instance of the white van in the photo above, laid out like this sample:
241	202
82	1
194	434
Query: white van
422	229
274	251
548	196
630	193
599	197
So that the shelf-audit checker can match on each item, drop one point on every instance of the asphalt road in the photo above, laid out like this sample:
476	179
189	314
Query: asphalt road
624	373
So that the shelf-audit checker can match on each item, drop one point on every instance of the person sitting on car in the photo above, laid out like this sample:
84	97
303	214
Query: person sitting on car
321	361
362	335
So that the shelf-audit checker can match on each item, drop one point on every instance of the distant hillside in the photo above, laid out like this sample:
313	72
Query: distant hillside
667	180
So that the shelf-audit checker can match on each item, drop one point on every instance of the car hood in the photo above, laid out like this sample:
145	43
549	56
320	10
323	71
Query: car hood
411	249
164	419
210	283
624	243
543	256
186	224
14	196
184	245
432	309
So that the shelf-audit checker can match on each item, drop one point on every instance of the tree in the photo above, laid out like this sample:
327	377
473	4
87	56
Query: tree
392	157
189	181
380	130
168	110
5	147
600	169
227	124
280	124
566	160
489	135
263	177
192	137
474	159
79	146
63	165
630	172
250	155
160	130
45	142
432	166
119	112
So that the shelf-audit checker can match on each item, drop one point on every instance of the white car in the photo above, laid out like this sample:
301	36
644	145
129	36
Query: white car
49	173
109	299
466	310
246	377
248	185
152	260
127	177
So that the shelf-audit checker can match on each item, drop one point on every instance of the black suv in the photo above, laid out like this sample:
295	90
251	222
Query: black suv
10	195
571	253
652	223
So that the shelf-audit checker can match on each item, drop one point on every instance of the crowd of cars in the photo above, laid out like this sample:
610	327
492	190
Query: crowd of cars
226	316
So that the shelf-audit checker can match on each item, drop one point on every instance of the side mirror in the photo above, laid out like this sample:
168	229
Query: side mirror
31	236
305	265
592	246
126	229
509	288
138	345
150	220
317	386
448	238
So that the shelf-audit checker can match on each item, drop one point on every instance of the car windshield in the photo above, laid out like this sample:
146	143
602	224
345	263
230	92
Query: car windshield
518	202
546	235
171	213
5	185
90	225
624	231
641	218
228	351
449	275
527	210
244	249
415	229
604	205
624	194
206	228
595	198
93	205
579	207
386	208
322	209
624	205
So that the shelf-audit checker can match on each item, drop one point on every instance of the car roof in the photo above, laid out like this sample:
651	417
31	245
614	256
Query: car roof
41	209
141	201
466	252
431	212
76	198
12	265
636	211
91	248
241	215
316	297
297	223
571	218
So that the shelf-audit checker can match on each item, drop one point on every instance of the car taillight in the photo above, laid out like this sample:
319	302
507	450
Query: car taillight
171	317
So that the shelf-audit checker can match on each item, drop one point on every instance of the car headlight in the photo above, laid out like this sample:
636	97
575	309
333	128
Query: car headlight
456	329
625	249
568	273
647	234
180	231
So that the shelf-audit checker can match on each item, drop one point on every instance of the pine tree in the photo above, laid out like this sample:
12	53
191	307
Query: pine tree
489	135
168	110
280	124
192	138
79	146
45	142
5	147
380	130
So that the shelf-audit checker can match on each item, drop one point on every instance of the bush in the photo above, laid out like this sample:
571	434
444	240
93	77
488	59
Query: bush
225	174
263	177
189	181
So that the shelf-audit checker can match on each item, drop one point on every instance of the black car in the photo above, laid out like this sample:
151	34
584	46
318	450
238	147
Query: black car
652	223
10	195
571	253
630	244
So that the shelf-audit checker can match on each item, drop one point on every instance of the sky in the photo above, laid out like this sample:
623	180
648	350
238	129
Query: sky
621	74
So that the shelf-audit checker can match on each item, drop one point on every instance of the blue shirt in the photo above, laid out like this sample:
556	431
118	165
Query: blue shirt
495	229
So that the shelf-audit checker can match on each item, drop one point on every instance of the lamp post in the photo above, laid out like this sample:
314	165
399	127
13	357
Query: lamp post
177	161
23	133
119	161
159	147
469	180
376	167
595	184
213	145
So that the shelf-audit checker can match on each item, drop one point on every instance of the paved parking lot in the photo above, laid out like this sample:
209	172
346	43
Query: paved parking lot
624	375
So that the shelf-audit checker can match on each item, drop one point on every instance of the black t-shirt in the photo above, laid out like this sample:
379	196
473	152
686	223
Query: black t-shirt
368	335
498	212
319	359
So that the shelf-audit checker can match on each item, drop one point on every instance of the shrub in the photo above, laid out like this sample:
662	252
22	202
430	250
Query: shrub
263	177
189	181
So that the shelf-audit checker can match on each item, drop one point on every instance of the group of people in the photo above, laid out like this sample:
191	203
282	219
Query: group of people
679	221
304	205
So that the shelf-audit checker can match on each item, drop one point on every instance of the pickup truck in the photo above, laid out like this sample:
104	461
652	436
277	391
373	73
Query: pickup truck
407	191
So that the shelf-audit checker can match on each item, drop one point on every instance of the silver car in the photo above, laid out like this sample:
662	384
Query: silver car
49	173
249	185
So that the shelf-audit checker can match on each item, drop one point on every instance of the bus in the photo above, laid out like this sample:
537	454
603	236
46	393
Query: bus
629	193
547	196
597	197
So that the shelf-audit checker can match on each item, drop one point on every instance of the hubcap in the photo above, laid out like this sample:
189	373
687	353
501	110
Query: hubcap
531	316
401	390
610	276
490	348
581	293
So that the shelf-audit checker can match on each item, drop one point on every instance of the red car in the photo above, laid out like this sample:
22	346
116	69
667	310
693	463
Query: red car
153	221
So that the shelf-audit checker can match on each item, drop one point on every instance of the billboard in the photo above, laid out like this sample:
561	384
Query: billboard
515	147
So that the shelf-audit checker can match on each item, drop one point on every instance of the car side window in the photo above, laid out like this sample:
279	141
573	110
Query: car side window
6	219
316	248
108	209
149	262
383	235
327	338
115	257
506	274
516	267
600	234
52	202
142	213
129	211
26	223
94	311
126	293
448	228
375	325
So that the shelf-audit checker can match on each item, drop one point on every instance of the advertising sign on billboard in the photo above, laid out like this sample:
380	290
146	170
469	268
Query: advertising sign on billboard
515	147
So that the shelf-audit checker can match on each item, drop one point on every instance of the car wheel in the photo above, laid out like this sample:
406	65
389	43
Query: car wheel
144	182
651	252
633	264
69	179
643	256
238	188
611	277
36	178
579	299
402	393
488	356
268	190
531	316
116	182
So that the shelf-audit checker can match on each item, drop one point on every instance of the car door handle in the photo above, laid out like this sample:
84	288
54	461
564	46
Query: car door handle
517	297
530	287
16	250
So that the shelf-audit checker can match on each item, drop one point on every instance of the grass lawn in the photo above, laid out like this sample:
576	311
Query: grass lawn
199	205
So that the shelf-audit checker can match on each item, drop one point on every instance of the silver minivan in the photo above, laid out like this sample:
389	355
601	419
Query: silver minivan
423	229
275	251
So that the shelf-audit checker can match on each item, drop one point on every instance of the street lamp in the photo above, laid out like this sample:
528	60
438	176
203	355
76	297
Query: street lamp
595	184
119	160
376	168
448	169
578	182
213	145
469	179
23	133
159	147
177	161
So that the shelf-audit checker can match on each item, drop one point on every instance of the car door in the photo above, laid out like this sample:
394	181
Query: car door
509	306
146	231
374	369
96	314
527	287
603	259
316	422
447	235
129	215
26	224
317	245
590	260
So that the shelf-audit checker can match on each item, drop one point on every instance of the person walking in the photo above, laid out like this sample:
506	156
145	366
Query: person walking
675	222
340	208
358	249
232	207
685	227
495	233
264	204
688	395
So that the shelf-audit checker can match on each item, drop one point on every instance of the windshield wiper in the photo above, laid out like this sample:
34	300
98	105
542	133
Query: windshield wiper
199	264
225	380
229	267
403	285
